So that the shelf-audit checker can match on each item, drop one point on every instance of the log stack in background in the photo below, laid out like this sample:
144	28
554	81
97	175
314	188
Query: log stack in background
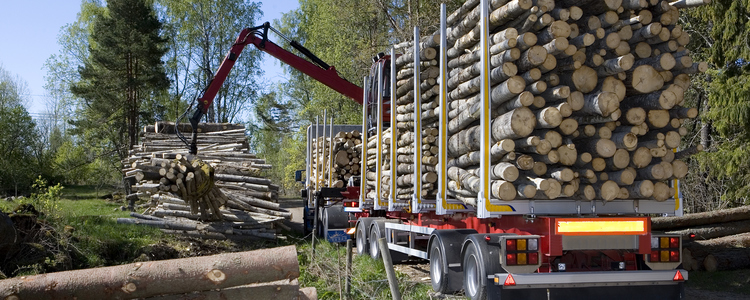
587	99
712	241
338	162
185	198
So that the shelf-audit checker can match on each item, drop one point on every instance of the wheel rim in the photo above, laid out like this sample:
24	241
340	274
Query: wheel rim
471	271
374	250
361	241
436	269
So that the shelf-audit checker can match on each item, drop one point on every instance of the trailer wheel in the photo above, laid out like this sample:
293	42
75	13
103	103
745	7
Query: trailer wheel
444	251
361	237
475	276
438	270
374	249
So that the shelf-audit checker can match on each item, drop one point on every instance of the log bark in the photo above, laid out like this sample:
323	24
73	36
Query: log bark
712	231
148	279
698	219
725	253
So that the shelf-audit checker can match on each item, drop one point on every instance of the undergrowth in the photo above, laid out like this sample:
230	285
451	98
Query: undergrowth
326	271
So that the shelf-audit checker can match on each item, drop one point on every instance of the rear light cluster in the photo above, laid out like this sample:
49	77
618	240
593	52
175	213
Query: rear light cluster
350	204
522	251
665	249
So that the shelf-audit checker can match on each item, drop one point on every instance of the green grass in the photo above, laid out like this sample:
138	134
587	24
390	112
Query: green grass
736	281
87	229
327	273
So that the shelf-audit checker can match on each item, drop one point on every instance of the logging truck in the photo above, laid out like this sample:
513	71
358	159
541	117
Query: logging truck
522	150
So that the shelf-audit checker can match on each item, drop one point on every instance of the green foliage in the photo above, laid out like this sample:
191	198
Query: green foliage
201	33
19	142
46	198
122	74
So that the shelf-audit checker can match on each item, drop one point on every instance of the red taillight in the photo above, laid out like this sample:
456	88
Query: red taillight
533	258
655	255
510	259
674	242
510	245
487	238
674	255
509	280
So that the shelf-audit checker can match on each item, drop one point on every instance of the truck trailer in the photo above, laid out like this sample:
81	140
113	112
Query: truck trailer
521	149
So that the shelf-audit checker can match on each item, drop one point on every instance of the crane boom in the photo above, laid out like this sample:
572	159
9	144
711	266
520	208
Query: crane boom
318	70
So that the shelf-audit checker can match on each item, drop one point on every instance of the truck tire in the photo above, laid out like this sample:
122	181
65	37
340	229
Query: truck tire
374	247
444	253
377	230
362	235
480	260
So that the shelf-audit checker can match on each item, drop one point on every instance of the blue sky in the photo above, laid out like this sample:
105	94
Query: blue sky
28	36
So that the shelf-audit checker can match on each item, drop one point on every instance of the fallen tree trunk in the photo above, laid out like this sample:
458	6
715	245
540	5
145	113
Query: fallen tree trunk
149	279
705	218
707	232
725	253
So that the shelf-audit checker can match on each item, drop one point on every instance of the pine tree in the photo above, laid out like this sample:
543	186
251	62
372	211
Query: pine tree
123	71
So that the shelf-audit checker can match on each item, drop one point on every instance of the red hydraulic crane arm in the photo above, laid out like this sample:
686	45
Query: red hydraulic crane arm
318	70
321	72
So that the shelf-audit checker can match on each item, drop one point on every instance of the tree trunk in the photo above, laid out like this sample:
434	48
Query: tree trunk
148	279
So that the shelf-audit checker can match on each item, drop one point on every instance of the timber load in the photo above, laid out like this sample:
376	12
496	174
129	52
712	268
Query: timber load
714	240
335	160
264	274
220	194
587	101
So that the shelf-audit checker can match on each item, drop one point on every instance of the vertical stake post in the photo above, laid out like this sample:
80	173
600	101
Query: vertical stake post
394	134
417	195
442	197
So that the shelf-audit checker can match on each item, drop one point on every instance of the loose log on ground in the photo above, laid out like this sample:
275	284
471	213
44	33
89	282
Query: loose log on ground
148	279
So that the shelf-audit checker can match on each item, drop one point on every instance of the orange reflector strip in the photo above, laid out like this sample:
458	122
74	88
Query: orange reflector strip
678	276
598	226
351	230
509	280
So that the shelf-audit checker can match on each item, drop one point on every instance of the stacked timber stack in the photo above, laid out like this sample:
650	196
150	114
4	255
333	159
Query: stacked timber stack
712	241
586	96
405	134
220	194
337	158
385	164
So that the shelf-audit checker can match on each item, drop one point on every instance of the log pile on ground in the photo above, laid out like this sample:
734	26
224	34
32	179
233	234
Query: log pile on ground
721	238
264	274
339	162
587	99
220	194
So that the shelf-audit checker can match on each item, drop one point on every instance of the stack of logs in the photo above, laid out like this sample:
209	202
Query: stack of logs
345	152
230	200
586	96
405	126
712	241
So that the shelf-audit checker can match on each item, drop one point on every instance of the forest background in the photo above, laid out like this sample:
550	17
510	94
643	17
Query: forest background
124	64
